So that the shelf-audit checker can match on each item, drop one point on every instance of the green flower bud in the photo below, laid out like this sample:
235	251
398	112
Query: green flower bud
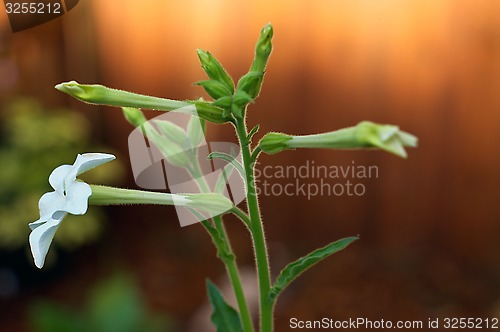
101	95
263	49
273	143
250	83
364	135
196	130
170	145
173	153
214	70
172	132
134	116
215	89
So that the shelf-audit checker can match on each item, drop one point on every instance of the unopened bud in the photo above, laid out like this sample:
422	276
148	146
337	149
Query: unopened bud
250	83
263	49
364	135
134	116
196	130
214	70
172	132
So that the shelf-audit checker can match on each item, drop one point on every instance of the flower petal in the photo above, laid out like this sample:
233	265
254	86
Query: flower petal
58	176
41	238
394	146
77	198
385	132
87	161
50	203
408	139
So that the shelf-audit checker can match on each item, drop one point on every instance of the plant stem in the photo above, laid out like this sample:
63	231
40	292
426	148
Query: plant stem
234	276
242	215
228	258
257	231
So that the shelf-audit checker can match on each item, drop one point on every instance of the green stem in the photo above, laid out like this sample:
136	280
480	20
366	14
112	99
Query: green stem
242	215
227	255
234	276
257	231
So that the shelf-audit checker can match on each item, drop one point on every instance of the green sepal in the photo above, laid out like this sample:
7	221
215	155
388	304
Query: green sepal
227	112
210	112
215	89
236	111
241	98
273	143
223	102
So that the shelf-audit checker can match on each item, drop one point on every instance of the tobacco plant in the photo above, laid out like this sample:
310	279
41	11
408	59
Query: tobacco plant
230	105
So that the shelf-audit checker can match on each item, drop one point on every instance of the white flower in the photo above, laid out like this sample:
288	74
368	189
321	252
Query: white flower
69	196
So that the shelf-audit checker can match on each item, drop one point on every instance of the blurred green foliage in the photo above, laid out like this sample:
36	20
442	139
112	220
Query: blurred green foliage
34	141
114	305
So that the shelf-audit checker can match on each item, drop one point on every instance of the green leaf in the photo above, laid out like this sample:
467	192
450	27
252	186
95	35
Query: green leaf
293	270
225	317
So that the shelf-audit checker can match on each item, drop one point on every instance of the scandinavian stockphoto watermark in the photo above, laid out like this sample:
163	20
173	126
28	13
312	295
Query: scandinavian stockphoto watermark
311	179
171	152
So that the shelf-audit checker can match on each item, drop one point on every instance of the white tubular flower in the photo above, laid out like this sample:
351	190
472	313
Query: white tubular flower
69	196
